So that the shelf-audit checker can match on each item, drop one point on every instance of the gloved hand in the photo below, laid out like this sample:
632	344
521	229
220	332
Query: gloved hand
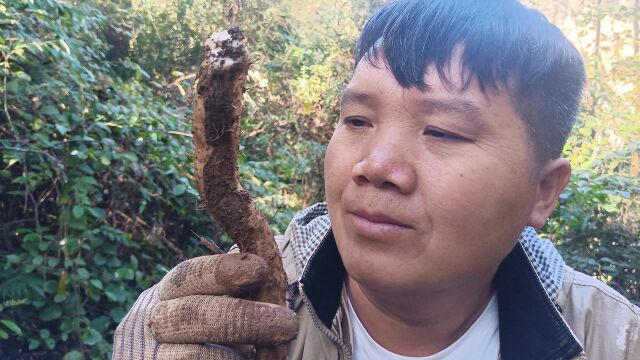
197	307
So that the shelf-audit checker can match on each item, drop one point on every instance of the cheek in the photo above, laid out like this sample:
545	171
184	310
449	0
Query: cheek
331	170
338	165
481	186
489	202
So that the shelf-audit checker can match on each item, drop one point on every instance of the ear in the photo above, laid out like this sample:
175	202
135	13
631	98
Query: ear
554	176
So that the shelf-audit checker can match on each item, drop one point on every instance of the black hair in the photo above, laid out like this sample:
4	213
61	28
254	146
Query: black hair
504	44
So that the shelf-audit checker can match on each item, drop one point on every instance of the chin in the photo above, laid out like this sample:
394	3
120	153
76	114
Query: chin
383	274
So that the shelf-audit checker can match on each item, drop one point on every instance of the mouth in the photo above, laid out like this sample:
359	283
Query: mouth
376	224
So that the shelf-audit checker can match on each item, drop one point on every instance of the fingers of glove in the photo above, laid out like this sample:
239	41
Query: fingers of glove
227	274
196	351
222	320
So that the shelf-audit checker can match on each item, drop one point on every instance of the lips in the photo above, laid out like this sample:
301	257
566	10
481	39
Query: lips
377	225
379	218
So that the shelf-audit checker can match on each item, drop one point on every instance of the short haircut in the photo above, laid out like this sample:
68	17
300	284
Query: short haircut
504	44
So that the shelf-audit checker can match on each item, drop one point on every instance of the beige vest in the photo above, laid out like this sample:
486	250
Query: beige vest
607	324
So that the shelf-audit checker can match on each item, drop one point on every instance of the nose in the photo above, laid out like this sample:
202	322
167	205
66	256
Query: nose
387	165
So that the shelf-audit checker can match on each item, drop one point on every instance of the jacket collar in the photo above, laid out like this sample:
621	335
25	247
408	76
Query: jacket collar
531	327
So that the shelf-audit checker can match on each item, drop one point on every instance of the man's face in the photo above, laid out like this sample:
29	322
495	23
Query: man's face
426	190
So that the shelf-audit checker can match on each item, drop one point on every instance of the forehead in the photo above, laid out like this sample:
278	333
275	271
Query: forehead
373	81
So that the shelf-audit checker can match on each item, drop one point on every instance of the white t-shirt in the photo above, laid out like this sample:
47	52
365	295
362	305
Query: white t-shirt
480	342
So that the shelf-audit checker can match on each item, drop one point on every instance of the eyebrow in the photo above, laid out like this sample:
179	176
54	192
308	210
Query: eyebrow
349	95
467	109
461	107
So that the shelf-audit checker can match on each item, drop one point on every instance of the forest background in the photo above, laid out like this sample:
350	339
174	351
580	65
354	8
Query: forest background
97	198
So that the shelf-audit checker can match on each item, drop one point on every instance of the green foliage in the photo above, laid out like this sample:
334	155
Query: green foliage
589	228
597	224
8	326
95	182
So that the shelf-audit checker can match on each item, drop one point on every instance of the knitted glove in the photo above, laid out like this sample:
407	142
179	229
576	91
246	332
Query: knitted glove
196	309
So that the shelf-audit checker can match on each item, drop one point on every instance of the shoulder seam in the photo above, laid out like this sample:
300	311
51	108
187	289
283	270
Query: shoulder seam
619	298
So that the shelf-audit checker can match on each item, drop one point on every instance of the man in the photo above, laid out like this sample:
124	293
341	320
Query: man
447	154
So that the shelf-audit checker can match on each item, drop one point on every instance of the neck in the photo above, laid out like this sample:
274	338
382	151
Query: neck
418	323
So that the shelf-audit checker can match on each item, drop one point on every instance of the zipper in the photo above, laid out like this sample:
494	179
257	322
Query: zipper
323	329
320	326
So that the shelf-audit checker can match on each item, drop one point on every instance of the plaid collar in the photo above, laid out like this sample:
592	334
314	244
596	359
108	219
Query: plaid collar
527	283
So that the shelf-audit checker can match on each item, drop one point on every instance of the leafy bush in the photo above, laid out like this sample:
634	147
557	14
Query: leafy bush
95	183
596	227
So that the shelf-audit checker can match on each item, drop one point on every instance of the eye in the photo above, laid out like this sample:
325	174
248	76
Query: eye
356	122
440	134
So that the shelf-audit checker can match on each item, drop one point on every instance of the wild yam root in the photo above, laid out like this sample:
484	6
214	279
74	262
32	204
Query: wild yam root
216	130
